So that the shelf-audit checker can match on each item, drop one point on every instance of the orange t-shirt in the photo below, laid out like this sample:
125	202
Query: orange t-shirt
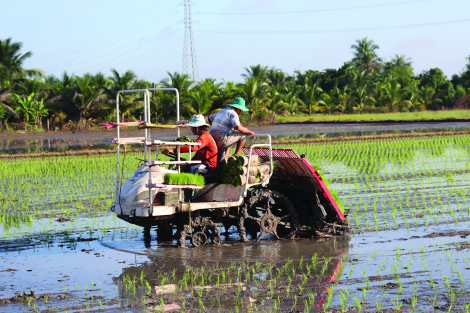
206	152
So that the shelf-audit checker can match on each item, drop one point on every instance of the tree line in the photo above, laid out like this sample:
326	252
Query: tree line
366	83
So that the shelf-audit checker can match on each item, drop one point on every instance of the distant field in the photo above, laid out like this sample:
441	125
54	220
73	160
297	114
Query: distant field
412	116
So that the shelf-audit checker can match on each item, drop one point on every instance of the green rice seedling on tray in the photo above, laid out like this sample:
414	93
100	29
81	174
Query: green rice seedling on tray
184	179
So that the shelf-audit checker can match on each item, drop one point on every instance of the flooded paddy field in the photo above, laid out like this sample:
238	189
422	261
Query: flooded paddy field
409	250
32	143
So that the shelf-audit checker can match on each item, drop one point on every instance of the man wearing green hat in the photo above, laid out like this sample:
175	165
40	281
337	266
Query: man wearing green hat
227	129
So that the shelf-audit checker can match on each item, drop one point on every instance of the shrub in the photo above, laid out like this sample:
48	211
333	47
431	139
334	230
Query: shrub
383	109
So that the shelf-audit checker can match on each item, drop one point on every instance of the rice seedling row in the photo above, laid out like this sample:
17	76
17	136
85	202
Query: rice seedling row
407	200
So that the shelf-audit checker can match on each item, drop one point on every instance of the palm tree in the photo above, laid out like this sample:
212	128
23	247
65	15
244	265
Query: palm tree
211	87
360	77
277	77
393	96
361	98
182	82
344	100
36	86
275	102
66	81
292	100
380	93
117	82
400	60
56	93
99	80
87	97
426	96
11	61
365	55
253	90
312	99
310	75
229	90
5	96
329	102
411	102
128	102
256	71
201	102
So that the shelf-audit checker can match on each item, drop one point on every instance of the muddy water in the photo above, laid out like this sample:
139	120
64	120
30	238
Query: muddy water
409	252
60	142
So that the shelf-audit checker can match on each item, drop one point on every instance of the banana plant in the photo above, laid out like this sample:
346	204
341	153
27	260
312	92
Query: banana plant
25	107
40	111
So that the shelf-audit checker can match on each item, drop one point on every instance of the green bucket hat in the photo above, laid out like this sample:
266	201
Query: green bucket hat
239	103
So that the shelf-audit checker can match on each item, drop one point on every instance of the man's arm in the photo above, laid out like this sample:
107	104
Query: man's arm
235	120
244	130
184	149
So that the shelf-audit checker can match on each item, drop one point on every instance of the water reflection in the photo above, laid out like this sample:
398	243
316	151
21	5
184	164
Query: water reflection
95	141
167	258
233	272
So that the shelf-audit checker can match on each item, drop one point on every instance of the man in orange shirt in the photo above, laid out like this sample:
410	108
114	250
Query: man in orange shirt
206	152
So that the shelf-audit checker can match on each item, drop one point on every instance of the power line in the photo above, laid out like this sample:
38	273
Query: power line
317	10
105	47
103	33
136	56
106	53
120	37
281	32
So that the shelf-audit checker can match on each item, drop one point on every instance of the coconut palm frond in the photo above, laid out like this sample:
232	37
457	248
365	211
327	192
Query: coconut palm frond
5	96
9	110
54	99
96	101
78	95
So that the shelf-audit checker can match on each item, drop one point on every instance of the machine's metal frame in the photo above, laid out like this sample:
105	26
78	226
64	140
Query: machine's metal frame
148	143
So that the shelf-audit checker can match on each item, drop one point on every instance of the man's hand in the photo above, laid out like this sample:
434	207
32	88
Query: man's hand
167	151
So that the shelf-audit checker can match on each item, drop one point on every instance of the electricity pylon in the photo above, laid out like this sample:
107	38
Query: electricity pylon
189	49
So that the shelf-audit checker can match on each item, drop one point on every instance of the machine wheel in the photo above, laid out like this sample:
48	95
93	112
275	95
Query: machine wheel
273	213
200	225
216	240
199	239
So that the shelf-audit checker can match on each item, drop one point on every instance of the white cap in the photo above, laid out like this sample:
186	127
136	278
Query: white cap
197	120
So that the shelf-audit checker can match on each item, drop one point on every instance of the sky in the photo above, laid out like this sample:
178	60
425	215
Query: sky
91	36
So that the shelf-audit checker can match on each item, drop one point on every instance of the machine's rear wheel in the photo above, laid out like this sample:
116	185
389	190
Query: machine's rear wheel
272	213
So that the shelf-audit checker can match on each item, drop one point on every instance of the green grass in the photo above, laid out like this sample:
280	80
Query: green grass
184	179
411	116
